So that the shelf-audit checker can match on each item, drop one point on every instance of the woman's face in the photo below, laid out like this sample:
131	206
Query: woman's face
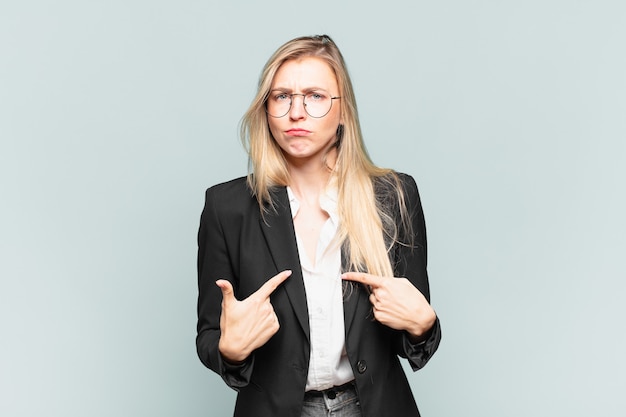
301	137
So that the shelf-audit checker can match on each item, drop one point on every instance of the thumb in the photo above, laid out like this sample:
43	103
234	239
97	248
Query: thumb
227	290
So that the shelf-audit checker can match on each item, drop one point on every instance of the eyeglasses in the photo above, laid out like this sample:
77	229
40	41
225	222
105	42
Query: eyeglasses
316	103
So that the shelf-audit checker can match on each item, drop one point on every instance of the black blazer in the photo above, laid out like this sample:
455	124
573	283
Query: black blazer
237	244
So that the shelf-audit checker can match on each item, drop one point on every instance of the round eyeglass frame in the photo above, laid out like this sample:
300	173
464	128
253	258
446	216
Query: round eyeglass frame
303	104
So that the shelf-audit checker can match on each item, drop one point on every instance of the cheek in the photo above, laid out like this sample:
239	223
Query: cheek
336	115
333	122
273	126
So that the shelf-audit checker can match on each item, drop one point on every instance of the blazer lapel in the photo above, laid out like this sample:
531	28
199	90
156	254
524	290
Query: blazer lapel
351	297
280	237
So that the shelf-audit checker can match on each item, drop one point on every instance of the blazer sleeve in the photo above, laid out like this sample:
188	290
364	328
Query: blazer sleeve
214	263
410	262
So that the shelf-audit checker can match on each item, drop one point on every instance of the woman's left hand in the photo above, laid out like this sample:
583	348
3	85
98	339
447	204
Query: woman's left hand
397	303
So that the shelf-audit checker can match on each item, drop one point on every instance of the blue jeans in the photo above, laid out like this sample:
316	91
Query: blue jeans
343	403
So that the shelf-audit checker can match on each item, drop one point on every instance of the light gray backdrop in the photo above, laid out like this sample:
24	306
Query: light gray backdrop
116	115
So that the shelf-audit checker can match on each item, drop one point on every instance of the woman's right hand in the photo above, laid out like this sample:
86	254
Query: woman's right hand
247	324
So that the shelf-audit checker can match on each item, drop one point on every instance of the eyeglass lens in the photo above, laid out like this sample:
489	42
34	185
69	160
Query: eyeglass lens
316	104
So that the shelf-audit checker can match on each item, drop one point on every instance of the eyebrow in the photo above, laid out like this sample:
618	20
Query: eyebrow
289	90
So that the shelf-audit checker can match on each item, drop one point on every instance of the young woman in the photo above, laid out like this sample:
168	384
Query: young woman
312	269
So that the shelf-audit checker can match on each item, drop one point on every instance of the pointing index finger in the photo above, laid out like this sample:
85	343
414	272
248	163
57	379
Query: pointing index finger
271	284
362	277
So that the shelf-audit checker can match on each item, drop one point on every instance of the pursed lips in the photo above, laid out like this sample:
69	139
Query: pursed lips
297	132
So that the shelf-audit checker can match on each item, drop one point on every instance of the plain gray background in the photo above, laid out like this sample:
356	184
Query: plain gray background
116	115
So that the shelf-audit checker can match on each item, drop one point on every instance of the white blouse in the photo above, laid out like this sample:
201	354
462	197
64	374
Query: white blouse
329	364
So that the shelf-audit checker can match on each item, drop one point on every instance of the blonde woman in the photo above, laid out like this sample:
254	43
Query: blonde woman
312	269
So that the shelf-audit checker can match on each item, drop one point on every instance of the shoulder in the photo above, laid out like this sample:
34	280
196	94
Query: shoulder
234	184
236	189
407	181
409	186
410	193
230	197
396	185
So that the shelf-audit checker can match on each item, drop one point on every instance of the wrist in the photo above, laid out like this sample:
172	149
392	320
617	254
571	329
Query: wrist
231	354
420	330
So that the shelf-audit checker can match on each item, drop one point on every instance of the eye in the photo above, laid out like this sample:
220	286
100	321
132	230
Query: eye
281	97
316	96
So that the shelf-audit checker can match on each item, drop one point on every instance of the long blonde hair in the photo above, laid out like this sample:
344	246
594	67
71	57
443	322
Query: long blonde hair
366	233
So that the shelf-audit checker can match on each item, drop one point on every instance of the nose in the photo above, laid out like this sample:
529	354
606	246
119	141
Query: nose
297	111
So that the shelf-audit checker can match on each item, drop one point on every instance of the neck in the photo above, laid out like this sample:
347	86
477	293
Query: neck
311	177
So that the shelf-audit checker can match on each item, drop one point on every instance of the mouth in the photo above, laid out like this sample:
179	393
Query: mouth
297	132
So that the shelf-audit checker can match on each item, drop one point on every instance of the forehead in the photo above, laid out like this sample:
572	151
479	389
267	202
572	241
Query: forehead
305	73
